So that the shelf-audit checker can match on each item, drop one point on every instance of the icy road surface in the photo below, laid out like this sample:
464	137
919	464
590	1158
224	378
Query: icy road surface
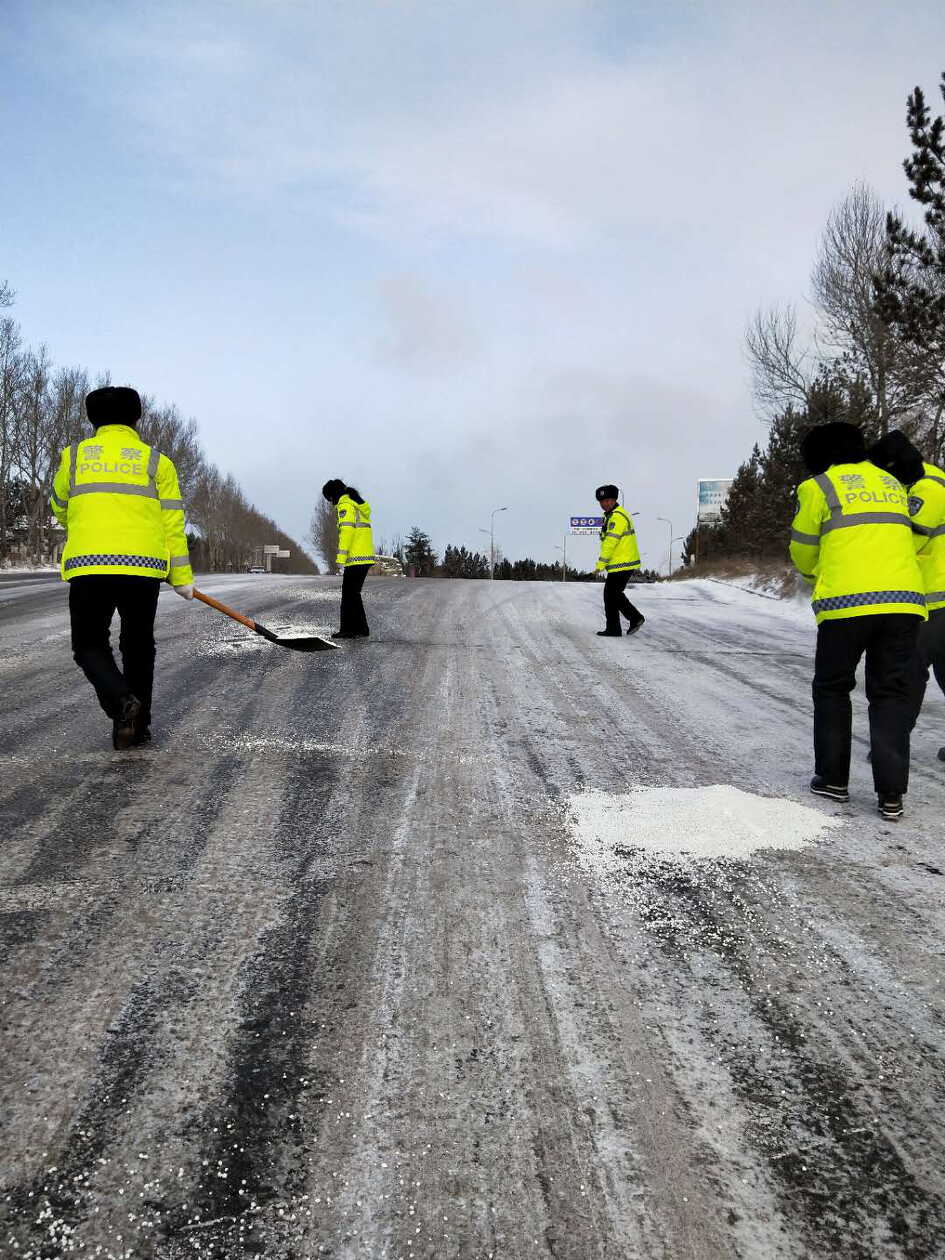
435	946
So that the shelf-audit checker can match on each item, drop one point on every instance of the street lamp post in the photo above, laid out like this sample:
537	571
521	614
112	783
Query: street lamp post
564	561
492	541
669	562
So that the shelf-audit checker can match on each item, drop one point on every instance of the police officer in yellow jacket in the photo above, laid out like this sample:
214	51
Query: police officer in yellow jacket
926	485
119	501
355	555
619	559
852	537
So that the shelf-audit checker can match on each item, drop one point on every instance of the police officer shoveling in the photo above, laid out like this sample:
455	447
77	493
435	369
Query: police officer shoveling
120	503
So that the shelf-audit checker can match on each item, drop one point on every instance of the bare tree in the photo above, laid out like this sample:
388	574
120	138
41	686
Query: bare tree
854	345
393	546
782	372
11	373
175	437
41	413
853	249
34	437
201	510
69	387
323	533
230	527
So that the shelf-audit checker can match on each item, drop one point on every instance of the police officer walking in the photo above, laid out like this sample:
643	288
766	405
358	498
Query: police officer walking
852	537
119	502
926	485
355	555
619	558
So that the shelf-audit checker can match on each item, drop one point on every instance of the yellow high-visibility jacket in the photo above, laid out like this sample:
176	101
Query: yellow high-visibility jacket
852	538
355	541
618	543
119	501
927	509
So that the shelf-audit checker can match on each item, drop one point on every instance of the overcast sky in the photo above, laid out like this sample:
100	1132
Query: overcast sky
461	254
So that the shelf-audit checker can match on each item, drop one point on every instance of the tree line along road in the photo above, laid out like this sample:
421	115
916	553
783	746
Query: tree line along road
348	963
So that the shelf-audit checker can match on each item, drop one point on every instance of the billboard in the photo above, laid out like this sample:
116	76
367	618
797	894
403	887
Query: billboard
586	524
712	494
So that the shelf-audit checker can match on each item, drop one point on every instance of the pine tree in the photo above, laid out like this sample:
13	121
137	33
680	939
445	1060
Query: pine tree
741	512
912	288
781	468
419	554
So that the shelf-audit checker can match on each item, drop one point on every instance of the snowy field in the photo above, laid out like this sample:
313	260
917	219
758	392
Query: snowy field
484	937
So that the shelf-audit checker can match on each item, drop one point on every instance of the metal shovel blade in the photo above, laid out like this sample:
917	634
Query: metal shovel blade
300	643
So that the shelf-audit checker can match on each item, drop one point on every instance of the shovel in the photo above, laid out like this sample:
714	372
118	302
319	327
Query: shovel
308	643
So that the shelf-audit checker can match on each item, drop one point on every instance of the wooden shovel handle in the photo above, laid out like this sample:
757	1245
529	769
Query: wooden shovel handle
215	603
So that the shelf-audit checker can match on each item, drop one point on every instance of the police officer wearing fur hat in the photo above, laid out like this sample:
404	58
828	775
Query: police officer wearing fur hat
925	483
355	555
852	537
119	501
619	559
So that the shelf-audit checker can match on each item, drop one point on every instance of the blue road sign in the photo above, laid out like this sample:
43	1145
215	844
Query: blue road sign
586	524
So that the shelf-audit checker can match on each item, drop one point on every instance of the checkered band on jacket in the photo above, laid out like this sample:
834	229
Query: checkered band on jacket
125	562
868	597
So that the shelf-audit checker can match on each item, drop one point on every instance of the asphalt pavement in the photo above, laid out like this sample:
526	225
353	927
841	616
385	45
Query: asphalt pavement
327	970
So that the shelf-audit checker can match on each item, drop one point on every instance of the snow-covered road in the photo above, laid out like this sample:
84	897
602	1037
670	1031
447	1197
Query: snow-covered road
385	953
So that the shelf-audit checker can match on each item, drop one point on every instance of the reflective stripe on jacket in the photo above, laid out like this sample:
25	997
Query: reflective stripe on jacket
927	509
618	543
119	501
355	541
852	537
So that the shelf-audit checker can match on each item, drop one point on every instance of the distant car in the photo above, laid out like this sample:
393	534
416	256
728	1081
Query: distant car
257	569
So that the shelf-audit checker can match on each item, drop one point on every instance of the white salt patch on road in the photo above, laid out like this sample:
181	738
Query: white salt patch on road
679	823
330	593
272	744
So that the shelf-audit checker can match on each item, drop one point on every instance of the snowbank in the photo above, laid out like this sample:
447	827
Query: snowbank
781	583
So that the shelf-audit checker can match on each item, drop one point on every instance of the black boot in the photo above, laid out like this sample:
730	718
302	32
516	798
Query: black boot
609	634
834	792
123	726
636	625
890	808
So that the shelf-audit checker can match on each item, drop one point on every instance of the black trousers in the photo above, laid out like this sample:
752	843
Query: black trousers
930	653
615	602
353	620
889	641
93	601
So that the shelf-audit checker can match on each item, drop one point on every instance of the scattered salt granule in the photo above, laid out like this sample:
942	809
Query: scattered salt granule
708	822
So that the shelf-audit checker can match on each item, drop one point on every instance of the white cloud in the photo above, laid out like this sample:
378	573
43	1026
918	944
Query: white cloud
510	244
395	120
422	330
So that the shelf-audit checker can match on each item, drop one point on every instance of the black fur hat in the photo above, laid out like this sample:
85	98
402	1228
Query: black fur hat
895	454
113	404
606	492
834	443
333	490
